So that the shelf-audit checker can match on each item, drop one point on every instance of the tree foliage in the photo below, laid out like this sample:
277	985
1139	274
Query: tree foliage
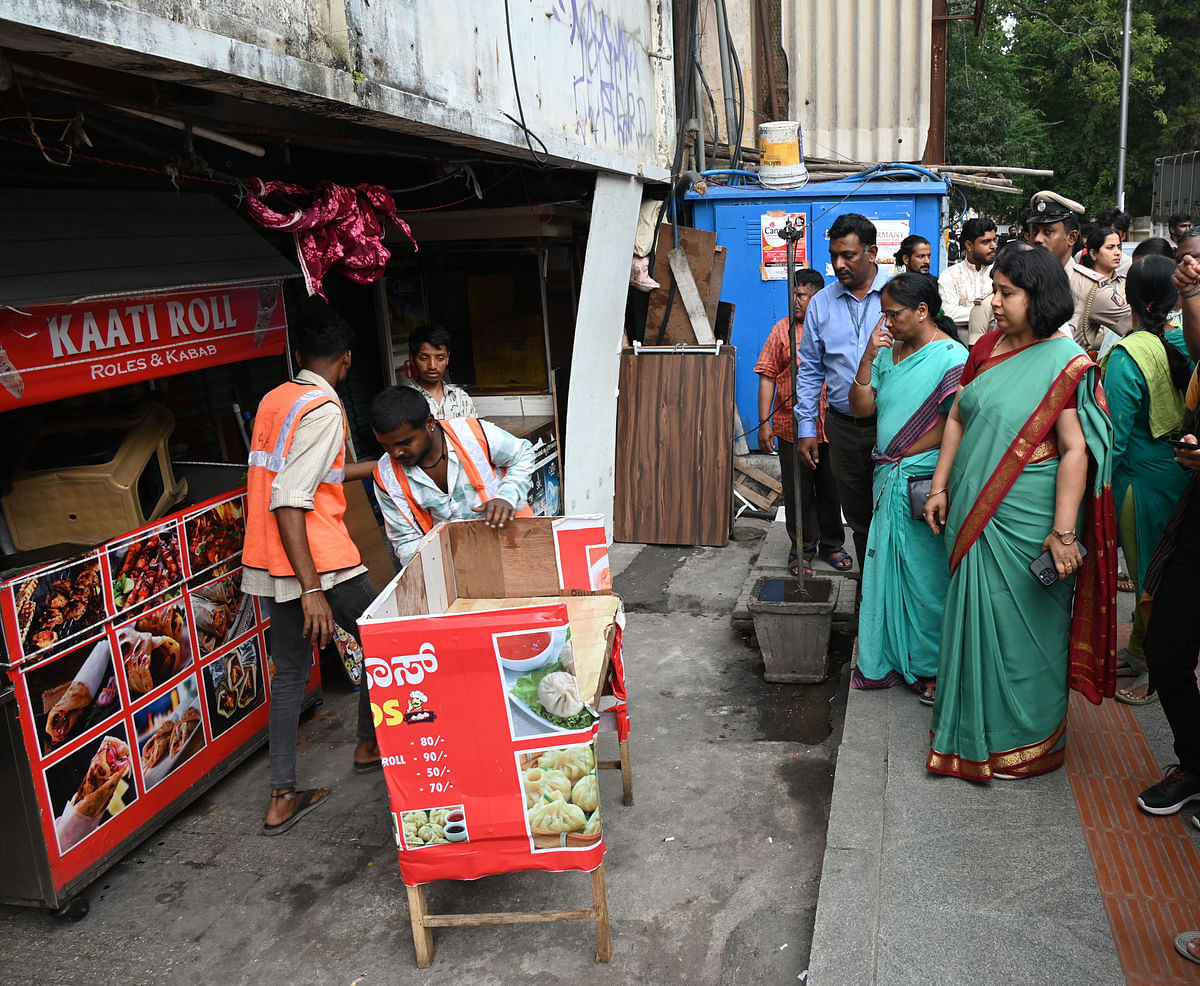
1041	85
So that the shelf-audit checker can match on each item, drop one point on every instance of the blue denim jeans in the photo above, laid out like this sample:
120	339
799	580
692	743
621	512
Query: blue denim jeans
292	653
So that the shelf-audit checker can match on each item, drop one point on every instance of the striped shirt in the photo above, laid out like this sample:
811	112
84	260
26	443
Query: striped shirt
506	452
455	402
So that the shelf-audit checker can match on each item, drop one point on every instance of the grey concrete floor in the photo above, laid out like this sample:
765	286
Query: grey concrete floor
712	875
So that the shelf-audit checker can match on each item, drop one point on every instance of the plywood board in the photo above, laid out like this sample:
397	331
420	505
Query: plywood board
674	468
592	619
368	535
517	559
699	245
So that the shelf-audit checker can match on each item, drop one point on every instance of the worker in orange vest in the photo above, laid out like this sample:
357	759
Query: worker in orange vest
298	556
431	471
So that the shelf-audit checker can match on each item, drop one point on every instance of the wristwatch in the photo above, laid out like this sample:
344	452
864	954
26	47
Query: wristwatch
1066	537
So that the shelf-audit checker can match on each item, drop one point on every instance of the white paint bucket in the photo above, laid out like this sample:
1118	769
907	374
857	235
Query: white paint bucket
781	155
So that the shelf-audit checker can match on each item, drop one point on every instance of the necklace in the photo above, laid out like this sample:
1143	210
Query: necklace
435	462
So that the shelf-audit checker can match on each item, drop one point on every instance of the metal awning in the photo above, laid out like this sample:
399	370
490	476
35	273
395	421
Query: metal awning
79	245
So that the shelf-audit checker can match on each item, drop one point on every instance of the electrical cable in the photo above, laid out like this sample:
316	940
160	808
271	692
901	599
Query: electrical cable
735	154
530	136
712	104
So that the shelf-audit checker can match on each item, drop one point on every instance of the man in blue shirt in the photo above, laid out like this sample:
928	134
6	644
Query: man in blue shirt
839	322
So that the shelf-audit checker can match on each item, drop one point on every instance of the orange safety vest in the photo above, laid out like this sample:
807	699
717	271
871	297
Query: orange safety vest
275	425
466	437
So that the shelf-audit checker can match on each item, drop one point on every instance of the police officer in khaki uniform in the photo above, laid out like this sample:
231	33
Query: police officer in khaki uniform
1099	302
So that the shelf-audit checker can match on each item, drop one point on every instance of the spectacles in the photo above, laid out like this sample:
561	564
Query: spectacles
892	314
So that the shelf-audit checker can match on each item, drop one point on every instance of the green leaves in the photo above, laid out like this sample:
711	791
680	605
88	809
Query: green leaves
1041	87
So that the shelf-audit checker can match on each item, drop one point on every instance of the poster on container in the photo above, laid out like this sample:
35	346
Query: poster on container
48	352
488	752
889	234
133	680
774	247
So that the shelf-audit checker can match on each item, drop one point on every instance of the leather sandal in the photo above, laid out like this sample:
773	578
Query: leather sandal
303	803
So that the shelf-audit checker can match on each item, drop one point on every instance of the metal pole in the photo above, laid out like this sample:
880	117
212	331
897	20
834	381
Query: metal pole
1123	134
733	140
790	235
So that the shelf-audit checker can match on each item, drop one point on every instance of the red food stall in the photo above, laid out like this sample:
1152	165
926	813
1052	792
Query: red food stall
138	673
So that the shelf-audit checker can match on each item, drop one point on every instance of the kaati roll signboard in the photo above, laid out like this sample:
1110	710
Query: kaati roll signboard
53	351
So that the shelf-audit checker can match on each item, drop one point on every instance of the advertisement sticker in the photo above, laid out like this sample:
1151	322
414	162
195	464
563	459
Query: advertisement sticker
774	247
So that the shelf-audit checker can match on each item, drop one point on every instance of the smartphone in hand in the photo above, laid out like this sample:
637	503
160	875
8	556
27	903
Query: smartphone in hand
1043	566
1186	446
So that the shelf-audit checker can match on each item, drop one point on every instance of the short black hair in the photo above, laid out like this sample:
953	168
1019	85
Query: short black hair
1114	218
1188	234
908	245
1156	246
1037	272
397	406
810	277
317	330
434	335
1178	217
912	289
853	224
975	228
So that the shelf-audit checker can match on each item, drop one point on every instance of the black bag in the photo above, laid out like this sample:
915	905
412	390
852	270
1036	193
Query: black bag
918	493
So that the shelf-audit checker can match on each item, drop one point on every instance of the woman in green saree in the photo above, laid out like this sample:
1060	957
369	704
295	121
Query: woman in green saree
908	376
1027	443
1145	377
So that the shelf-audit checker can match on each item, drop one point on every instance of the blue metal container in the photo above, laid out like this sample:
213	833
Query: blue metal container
736	214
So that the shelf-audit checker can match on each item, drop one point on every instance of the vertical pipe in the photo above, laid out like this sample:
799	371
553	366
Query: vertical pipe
1123	133
542	258
935	144
793	362
727	84
700	122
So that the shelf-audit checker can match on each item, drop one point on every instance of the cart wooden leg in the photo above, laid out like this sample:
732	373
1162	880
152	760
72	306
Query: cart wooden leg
626	774
600	905
418	907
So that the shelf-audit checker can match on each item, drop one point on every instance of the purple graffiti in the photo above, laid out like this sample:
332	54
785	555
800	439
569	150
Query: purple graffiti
607	88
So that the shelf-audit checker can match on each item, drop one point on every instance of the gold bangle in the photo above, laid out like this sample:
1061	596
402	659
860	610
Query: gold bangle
936	492
860	383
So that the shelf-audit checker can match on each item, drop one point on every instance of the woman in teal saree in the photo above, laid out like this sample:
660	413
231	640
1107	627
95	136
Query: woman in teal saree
913	365
1027	445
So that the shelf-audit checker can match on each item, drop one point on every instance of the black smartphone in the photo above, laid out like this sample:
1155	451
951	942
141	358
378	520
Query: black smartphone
1043	566
1186	446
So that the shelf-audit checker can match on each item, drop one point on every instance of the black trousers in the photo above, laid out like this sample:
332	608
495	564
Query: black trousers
850	445
1173	642
820	508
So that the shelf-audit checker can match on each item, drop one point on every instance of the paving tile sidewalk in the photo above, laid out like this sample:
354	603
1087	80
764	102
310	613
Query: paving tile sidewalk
931	880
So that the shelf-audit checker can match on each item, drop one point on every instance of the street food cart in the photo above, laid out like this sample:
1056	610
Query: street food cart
493	659
134	673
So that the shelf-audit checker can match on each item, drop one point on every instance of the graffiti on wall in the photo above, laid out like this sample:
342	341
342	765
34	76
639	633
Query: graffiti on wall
608	85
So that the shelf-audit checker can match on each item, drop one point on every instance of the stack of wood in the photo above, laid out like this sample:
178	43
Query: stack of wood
697	268
754	488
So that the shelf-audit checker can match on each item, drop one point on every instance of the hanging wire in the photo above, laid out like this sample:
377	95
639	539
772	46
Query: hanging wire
530	136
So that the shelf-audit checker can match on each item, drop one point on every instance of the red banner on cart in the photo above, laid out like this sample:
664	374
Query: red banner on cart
488	753
135	679
55	351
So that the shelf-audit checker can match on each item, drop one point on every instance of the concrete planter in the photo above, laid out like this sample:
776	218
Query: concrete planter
793	627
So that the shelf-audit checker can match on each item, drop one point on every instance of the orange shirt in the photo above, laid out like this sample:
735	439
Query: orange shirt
773	362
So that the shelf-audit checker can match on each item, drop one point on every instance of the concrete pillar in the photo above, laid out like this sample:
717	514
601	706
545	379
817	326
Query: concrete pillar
591	439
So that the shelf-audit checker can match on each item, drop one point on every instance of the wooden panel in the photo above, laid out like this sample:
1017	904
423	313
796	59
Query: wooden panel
674	469
699	245
516	560
592	619
716	278
410	590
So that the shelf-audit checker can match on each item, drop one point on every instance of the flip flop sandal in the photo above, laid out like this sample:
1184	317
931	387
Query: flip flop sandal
305	801
925	698
808	568
1129	666
1181	945
1126	695
368	766
1125	583
837	559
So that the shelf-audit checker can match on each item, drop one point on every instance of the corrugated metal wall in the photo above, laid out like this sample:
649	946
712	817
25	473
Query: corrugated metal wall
859	74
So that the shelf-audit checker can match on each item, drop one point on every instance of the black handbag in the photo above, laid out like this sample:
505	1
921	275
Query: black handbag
918	493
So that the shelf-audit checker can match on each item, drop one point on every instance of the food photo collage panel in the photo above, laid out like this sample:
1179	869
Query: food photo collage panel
134	661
